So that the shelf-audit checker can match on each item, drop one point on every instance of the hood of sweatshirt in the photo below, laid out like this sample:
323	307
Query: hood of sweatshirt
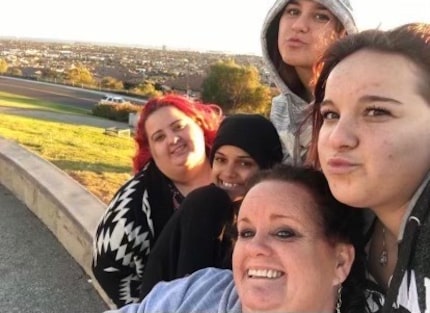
289	109
269	34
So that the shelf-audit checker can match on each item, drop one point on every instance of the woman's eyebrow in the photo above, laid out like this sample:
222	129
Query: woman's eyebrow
376	98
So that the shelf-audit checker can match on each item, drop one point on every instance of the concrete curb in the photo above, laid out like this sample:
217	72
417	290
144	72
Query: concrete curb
69	211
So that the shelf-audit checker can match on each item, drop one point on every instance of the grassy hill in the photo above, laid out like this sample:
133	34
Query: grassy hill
100	162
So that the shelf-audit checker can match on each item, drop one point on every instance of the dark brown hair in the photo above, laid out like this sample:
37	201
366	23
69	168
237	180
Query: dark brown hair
411	41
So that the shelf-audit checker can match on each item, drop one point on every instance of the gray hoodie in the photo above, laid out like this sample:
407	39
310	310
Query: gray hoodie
288	109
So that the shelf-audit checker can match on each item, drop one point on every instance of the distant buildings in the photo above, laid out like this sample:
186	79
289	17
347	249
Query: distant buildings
183	71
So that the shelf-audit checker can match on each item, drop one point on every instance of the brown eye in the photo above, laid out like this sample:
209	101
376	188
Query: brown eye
377	111
329	115
324	18
292	12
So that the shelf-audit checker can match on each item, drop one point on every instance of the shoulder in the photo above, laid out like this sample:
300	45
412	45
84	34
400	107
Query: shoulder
128	199
205	193
136	186
206	290
206	201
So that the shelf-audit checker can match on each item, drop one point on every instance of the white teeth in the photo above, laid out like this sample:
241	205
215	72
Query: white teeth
271	274
229	185
178	149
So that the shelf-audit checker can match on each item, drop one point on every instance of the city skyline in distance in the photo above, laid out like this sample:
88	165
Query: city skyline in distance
228	26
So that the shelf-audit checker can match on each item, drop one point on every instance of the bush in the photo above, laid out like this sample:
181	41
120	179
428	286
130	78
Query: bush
116	112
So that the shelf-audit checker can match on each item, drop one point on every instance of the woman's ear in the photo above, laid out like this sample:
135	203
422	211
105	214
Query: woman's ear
345	254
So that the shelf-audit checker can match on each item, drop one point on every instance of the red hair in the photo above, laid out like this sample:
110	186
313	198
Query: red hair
207	116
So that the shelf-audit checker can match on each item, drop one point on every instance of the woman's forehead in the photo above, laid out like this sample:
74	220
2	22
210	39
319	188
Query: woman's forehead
280	197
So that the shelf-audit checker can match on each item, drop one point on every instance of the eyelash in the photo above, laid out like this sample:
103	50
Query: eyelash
159	138
322	17
245	233
246	164
221	160
286	234
377	111
318	16
325	113
176	127
283	234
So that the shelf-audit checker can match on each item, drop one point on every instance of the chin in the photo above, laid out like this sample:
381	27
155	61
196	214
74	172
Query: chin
258	306
234	196
356	201
263	300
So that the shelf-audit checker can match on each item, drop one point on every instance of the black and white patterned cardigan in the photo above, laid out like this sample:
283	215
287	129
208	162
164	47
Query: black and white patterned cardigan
128	230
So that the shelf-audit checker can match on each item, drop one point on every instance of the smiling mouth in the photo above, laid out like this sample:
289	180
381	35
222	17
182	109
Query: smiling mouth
264	273
178	149
228	185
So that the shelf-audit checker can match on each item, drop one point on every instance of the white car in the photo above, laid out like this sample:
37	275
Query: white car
113	100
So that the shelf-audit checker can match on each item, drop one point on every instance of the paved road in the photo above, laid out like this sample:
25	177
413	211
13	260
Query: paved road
54	93
47	92
37	275
58	94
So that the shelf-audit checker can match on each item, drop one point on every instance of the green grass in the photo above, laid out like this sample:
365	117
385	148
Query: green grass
15	101
100	162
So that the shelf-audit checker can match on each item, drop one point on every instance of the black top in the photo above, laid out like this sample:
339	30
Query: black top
200	234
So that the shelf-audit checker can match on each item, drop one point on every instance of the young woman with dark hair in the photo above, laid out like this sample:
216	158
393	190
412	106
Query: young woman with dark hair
371	139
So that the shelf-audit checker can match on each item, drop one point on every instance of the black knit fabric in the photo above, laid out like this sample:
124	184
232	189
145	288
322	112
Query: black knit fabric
252	133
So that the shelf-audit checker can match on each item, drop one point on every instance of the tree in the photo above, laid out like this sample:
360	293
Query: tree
14	71
111	83
147	89
235	88
3	66
51	74
79	75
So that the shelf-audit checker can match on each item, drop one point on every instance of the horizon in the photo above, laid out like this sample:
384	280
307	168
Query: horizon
223	26
120	45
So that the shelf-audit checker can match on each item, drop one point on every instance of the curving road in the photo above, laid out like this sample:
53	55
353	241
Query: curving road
77	97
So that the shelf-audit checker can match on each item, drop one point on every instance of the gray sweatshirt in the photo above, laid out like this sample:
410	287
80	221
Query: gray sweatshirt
288	109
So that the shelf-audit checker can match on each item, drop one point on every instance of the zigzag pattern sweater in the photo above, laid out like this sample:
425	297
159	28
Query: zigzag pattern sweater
129	229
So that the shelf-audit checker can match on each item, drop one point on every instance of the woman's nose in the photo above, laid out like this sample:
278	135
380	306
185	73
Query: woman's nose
344	135
301	24
229	169
258	246
173	138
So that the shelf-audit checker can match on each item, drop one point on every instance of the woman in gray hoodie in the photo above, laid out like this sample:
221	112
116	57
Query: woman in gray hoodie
295	33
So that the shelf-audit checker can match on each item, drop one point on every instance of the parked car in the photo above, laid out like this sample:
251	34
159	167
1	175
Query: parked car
108	99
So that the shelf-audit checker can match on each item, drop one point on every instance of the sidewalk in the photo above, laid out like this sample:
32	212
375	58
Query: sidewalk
37	274
45	250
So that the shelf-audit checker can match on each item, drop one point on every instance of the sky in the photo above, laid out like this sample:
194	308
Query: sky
203	25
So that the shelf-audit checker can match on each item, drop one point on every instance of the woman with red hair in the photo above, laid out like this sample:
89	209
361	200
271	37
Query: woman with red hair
173	139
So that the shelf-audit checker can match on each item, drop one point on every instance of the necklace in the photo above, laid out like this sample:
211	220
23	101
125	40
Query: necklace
383	257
